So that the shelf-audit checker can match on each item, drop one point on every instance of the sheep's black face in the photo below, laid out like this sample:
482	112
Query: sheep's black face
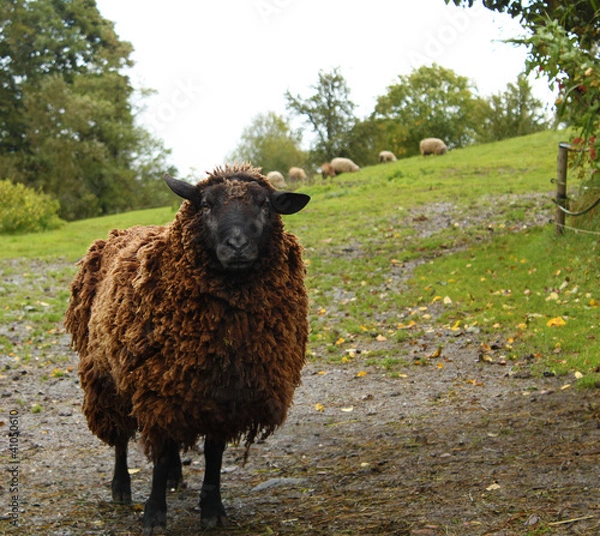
238	217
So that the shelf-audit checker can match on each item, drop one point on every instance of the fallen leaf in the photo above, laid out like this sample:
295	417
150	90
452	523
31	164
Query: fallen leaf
447	300
348	409
319	407
476	383
557	322
493	487
578	375
361	374
381	338
436	353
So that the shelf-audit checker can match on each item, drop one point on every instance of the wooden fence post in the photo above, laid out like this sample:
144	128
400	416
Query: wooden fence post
561	185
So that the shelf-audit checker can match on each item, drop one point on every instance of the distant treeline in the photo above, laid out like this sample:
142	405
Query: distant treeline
432	101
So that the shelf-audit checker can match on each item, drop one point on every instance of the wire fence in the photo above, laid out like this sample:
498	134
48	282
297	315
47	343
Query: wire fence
562	199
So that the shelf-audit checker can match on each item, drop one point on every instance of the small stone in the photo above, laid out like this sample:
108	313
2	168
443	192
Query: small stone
278	482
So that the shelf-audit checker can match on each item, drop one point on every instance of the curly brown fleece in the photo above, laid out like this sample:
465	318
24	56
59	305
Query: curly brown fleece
173	346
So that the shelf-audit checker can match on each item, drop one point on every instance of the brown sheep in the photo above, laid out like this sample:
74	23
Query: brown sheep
196	328
327	170
432	146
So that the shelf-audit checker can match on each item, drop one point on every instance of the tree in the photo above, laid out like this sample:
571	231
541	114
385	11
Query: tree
270	143
66	124
330	114
579	17
430	102
39	38
515	112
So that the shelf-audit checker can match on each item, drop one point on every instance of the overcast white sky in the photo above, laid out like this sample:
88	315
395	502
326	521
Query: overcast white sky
217	64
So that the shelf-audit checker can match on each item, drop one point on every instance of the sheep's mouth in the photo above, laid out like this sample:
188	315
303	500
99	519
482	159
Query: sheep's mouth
238	265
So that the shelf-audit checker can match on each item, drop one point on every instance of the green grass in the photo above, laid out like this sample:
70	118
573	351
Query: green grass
71	241
536	289
508	284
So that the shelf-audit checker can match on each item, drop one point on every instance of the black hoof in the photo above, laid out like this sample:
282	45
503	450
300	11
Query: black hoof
212	509
155	517
214	521
121	491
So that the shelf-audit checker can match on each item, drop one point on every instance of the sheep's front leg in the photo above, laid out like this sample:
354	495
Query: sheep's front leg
121	482
155	510
211	507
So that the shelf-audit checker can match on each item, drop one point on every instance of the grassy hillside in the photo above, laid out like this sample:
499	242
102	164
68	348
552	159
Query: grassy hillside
445	243
349	204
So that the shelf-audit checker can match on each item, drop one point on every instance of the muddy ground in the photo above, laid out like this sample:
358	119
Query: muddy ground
464	447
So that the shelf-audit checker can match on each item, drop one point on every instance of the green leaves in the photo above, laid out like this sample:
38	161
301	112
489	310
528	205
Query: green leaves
269	142
22	210
432	99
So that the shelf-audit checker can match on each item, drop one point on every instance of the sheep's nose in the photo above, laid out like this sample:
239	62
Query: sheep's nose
237	241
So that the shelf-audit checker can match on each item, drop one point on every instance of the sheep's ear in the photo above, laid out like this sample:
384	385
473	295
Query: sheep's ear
182	189
288	202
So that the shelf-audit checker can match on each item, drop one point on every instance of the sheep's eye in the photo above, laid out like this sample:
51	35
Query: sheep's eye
205	205
263	203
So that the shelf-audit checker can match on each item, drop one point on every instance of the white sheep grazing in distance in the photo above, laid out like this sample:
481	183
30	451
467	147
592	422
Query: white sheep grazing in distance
276	179
344	165
432	146
387	156
296	174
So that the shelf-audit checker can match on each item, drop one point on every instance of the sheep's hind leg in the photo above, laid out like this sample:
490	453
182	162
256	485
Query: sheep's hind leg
174	474
121	482
211	507
155	510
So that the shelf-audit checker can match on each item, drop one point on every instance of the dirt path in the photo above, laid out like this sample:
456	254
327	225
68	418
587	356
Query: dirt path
461	446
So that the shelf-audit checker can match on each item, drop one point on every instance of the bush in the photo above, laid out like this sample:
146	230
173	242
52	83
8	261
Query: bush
23	210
